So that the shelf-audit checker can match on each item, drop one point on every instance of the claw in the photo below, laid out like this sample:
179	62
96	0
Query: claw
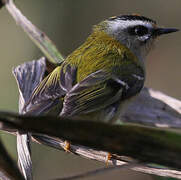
108	157
67	146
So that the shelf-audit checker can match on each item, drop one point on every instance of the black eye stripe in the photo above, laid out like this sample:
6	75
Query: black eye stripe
138	30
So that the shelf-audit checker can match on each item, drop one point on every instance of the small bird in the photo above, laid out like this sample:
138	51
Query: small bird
99	79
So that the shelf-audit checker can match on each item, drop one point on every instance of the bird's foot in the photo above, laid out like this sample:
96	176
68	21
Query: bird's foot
108	157
67	146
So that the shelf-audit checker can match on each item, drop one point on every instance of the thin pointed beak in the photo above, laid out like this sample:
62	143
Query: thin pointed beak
161	31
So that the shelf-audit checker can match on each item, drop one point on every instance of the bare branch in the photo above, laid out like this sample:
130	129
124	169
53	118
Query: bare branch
144	144
102	155
39	38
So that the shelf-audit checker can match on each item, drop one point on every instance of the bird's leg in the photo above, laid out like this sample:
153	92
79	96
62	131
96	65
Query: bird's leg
108	157
67	146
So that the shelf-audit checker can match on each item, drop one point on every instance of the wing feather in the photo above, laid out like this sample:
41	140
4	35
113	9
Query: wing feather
95	92
50	92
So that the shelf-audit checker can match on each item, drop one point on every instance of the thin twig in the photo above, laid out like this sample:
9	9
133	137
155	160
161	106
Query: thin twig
67	130
101	156
40	38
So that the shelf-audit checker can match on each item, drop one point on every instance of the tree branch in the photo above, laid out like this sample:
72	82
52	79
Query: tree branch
68	132
101	156
38	37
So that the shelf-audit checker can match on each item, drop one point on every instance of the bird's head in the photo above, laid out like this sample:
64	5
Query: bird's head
136	32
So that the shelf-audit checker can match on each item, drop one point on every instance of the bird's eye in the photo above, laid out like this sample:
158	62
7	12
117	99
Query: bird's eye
138	30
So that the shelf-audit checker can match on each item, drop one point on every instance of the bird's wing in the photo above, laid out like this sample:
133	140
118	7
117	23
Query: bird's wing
48	93
95	92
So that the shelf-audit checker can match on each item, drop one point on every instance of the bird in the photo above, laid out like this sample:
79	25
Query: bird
100	78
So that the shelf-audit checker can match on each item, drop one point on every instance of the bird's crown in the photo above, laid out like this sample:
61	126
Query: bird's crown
134	17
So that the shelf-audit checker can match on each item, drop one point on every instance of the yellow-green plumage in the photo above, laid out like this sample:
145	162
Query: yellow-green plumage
79	95
100	51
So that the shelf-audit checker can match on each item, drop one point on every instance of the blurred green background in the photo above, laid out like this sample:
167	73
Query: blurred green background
68	23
